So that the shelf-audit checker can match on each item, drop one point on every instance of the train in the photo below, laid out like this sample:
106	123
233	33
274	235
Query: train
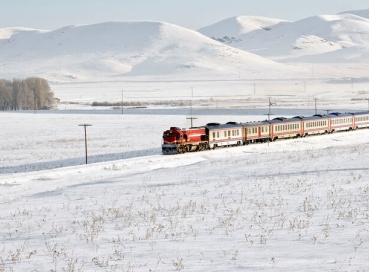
213	135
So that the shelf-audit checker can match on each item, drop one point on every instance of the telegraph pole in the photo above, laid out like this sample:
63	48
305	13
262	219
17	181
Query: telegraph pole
85	125
316	112
191	118
122	101
269	114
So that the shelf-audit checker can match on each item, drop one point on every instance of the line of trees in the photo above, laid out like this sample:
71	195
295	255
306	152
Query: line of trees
32	93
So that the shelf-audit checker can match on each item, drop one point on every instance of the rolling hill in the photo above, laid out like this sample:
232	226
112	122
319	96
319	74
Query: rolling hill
125	49
345	34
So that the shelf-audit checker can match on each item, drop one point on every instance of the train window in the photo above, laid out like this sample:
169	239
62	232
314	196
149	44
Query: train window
217	134
229	133
213	135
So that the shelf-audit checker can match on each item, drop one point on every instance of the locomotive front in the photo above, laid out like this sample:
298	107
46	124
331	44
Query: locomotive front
171	141
179	141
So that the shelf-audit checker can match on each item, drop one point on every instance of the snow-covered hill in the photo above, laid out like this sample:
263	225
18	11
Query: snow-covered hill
281	40
121	49
238	26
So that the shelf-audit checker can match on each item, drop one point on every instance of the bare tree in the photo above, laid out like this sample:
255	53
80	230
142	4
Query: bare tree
26	94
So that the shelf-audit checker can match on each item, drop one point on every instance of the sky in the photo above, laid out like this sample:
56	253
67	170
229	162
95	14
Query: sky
192	14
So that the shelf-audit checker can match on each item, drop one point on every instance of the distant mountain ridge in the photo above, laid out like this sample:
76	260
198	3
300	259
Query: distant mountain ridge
252	46
116	49
290	41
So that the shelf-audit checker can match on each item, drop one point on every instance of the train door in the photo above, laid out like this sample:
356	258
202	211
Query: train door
302	128
271	130
353	122
259	132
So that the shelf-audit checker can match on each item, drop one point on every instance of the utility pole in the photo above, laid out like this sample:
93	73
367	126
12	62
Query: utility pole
85	125
122	101
269	114
327	111
191	118
316	112
34	102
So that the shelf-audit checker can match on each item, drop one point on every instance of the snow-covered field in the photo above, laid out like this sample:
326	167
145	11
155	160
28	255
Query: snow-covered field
291	205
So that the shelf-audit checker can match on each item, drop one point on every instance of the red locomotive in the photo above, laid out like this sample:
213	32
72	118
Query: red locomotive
177	141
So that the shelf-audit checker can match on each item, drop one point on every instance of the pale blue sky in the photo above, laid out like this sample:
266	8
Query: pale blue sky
193	14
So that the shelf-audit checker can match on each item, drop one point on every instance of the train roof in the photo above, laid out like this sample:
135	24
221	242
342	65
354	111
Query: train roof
256	124
316	117
359	113
216	126
338	115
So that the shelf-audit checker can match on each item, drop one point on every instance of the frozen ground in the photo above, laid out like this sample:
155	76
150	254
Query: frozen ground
291	205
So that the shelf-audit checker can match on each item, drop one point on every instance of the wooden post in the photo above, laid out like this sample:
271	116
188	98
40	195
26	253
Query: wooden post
85	125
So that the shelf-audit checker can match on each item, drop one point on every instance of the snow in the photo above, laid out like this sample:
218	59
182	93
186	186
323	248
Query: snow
127	50
321	34
275	206
237	26
290	205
